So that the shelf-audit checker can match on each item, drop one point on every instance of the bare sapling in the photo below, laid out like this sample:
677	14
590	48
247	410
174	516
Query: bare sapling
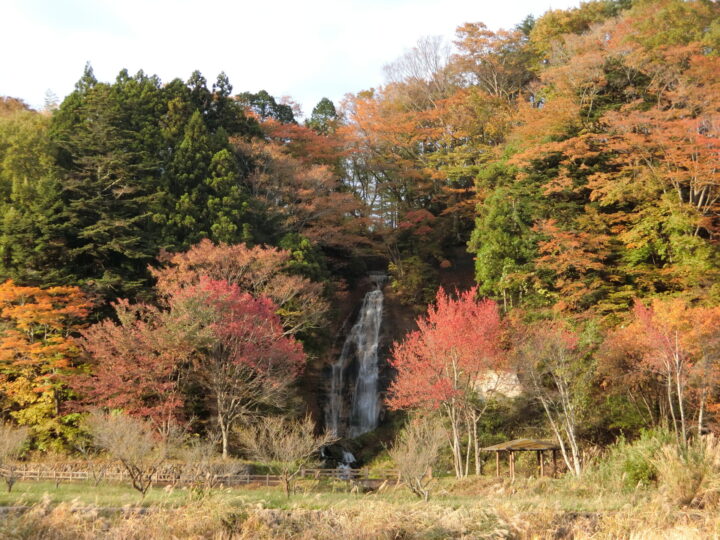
203	465
288	444
415	452
12	440
91	456
133	442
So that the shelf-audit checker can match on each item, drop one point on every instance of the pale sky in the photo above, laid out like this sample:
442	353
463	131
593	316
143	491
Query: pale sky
305	49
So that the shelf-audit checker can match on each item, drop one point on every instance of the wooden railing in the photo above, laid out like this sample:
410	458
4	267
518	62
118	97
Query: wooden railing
362	475
350	474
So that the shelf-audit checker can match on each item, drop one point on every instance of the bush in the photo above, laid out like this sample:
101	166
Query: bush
629	465
637	458
132	442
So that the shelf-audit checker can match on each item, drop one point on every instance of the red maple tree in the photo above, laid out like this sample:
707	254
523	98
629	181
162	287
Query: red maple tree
450	364
242	356
135	363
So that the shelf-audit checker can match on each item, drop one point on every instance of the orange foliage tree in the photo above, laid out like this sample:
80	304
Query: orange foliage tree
680	344
37	351
305	194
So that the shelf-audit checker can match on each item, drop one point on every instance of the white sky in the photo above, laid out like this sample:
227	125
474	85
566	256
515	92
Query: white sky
306	49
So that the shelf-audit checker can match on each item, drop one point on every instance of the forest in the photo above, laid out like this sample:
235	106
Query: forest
181	257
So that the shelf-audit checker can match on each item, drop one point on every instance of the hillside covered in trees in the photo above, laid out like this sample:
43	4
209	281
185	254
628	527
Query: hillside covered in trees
181	252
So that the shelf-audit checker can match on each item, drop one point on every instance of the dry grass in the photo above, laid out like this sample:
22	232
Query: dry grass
682	503
212	520
690	476
372	519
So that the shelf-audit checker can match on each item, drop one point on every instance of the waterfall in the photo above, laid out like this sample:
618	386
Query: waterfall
361	344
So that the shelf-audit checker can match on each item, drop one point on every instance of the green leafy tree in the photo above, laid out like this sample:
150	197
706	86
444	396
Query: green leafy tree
31	223
188	187
324	117
265	106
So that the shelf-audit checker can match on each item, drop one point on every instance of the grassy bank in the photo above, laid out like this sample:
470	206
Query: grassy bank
471	508
523	494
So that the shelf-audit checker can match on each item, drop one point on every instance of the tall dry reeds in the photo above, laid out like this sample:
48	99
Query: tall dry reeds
210	520
690	476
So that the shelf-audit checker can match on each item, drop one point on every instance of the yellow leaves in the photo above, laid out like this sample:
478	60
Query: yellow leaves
35	344
21	390
30	307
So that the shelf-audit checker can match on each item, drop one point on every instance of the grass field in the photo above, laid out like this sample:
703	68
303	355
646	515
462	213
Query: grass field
313	495
483	507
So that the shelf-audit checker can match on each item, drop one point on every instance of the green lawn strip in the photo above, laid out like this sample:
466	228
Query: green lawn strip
317	496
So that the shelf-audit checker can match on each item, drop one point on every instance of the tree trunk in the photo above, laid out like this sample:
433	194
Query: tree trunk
701	412
478	466
224	434
469	446
455	441
668	384
680	394
286	485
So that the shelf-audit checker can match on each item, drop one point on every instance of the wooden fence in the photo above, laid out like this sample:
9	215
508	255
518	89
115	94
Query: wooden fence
363	476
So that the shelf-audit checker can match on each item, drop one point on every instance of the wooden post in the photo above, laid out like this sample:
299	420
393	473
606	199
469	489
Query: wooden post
512	465
541	459
497	463
554	455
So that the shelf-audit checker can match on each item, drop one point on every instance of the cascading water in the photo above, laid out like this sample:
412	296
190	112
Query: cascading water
365	405
362	345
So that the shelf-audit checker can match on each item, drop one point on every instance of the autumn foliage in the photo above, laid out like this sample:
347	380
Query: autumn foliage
572	159
241	355
259	271
208	333
456	343
678	344
38	351
451	363
136	363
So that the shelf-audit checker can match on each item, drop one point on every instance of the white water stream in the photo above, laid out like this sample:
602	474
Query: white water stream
361	344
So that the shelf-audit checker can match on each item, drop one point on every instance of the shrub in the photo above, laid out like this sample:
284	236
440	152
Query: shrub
290	444
628	465
637	458
132	442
